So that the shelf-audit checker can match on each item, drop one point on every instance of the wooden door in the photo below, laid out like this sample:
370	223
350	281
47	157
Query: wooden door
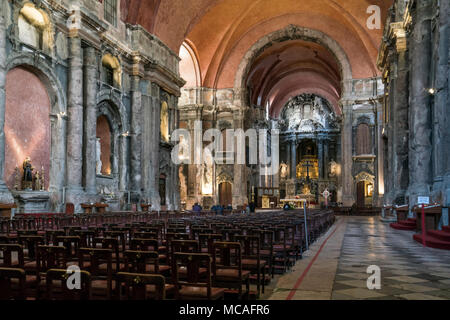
225	197
361	194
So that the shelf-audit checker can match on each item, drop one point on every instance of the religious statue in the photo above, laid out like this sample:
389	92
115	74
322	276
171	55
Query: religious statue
333	169
42	178
164	122
183	189
17	178
37	181
99	159
283	170
27	174
326	195
207	187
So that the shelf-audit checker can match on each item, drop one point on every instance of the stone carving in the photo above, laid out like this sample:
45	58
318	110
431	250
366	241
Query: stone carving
42	178
37	181
283	170
165	122
183	186
207	187
308	113
334	167
99	157
27	174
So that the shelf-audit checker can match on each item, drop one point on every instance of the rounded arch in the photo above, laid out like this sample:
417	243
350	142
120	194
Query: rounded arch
44	71
58	110
117	109
292	32
190	65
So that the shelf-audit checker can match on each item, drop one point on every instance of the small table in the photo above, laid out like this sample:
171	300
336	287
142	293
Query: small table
402	212
433	216
87	207
101	207
5	210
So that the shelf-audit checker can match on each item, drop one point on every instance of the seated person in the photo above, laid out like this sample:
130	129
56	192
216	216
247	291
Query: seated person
252	207
197	208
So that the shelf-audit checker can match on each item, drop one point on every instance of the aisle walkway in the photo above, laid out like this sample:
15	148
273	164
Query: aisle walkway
336	266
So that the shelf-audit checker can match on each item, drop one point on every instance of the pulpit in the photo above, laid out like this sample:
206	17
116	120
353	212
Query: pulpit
101	207
5	209
88	207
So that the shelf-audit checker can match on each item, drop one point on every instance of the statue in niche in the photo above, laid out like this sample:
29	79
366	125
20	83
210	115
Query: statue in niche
165	122
37	181
27	174
333	169
42	179
283	170
17	178
99	157
183	190
207	175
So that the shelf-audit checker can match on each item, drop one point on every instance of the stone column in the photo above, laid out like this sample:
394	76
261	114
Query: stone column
155	142
240	180
5	194
400	122
321	158
348	197
326	151
288	158
75	121
420	147
90	128
136	135
293	159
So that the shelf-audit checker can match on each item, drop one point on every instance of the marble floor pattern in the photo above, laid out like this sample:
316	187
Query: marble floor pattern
336	265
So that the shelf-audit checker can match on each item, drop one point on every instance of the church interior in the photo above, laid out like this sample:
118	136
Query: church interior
122	126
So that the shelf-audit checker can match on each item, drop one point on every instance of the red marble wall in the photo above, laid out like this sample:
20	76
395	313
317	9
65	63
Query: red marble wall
104	133
27	124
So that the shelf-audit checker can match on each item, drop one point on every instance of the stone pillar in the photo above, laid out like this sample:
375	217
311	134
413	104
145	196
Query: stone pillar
136	136
240	180
326	152
420	147
75	122
293	159
288	158
400	124
348	197
321	158
90	116
155	137
5	194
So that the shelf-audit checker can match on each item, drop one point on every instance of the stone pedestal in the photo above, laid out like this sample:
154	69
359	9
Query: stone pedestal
32	201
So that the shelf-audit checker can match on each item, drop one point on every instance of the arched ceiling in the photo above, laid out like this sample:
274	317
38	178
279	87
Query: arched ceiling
221	32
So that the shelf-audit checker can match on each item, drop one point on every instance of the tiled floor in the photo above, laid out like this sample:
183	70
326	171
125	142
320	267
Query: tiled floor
336	266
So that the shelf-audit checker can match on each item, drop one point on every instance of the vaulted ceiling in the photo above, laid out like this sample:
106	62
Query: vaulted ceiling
221	32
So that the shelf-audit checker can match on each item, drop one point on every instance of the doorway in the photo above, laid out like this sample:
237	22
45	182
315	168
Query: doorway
364	194
225	196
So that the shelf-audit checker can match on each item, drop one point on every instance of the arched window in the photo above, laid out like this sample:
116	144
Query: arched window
103	146
34	28
363	140
189	66
165	121
111	71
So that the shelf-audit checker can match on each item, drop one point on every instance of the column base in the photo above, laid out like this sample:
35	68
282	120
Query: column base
155	200
6	196
348	200
239	201
77	196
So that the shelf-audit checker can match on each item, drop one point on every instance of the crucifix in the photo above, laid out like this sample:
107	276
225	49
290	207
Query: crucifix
308	164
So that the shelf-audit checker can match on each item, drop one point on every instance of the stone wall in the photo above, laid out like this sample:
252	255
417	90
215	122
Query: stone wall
72	74
414	59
